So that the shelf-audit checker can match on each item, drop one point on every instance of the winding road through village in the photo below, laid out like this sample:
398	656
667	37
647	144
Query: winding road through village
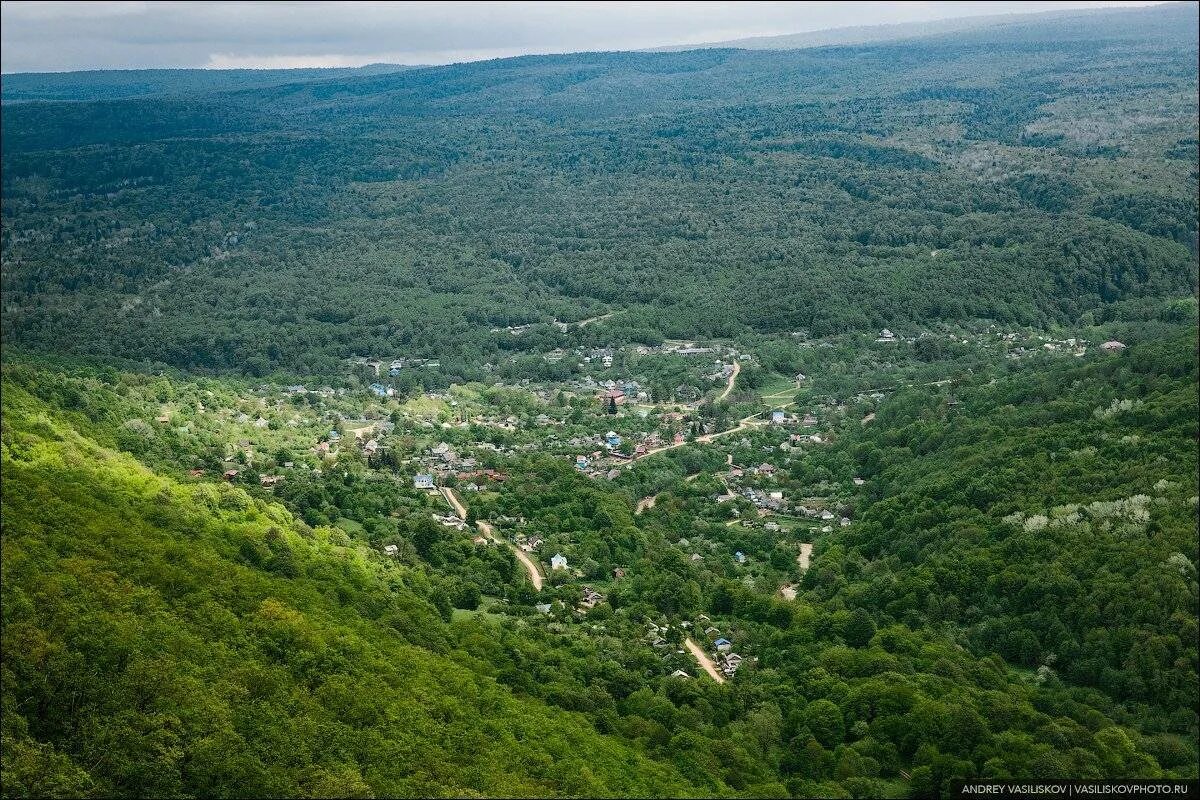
535	576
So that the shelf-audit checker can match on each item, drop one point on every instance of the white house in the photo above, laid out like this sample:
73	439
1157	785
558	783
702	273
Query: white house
558	561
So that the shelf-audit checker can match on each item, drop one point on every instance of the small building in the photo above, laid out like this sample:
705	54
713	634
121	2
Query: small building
739	557
800	378
230	474
723	645
543	608
1112	347
618	572
391	549
423	480
680	674
777	417
371	447
558	561
859	481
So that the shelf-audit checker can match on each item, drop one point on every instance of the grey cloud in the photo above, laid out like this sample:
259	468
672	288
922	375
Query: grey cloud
62	36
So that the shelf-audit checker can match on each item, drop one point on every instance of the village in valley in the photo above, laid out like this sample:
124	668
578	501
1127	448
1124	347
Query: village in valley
748	450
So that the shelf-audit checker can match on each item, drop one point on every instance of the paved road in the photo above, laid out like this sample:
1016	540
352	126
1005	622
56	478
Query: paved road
486	528
704	661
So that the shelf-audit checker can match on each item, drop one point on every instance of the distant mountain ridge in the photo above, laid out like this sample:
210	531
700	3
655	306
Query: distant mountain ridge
875	34
120	84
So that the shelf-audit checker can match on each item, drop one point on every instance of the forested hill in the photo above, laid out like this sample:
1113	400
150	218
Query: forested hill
113	84
1030	175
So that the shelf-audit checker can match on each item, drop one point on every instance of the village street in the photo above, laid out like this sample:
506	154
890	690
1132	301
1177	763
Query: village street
703	660
737	368
535	577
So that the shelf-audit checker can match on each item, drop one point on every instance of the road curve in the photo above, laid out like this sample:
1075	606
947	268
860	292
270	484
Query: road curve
732	379
487	530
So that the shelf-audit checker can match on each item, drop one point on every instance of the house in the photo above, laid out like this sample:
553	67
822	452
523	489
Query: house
826	514
581	462
886	336
268	481
558	561
766	469
591	597
696	557
230	474
371	447
859	481
618	572
678	438
379	389
611	439
195	473
1112	347
739	557
800	378
544	608
423	480
777	417
391	549
680	674
723	645
611	396
844	522
532	544
374	366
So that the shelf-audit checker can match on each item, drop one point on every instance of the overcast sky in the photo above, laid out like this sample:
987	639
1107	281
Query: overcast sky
47	36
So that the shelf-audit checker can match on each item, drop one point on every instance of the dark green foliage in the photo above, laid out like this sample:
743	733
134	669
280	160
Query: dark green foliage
707	193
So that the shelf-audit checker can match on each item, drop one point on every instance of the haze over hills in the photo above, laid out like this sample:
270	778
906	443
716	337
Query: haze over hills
866	34
746	422
117	84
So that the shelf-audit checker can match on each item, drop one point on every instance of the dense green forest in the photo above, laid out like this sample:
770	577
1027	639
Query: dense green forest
239	559
1029	176
1017	599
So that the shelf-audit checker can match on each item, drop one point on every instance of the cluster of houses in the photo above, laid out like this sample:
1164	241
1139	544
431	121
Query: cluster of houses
378	367
722	651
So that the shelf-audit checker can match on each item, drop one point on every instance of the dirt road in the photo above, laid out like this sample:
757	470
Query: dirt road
583	323
704	661
535	577
732	380
805	555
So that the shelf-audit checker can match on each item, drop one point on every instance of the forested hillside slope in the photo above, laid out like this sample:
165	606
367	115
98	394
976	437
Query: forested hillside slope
1016	598
1027	174
163	640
